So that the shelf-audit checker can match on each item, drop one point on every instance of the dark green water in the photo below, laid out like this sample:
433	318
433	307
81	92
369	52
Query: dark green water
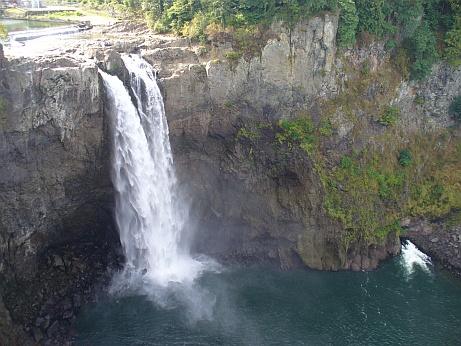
19	25
261	306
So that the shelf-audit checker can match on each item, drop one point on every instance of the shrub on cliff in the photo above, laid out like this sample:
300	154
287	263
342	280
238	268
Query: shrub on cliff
371	16
405	158
453	42
3	32
298	131
348	22
423	51
455	108
390	116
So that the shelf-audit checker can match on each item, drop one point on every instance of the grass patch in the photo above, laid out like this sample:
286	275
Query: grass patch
368	192
390	116
233	57
300	131
248	133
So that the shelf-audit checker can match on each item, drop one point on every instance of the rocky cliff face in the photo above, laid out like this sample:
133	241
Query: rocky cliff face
254	196
55	188
294	68
56	183
251	198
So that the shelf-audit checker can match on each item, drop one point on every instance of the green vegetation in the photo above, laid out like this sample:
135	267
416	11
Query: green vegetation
300	131
360	193
393	175
390	116
425	29
180	15
455	108
248	133
348	22
60	15
252	130
233	57
422	50
420	31
3	31
371	17
361	189
453	35
369	192
405	158
326	128
2	112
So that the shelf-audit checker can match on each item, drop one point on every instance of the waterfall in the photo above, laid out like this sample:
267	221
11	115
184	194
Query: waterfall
412	257
149	214
35	4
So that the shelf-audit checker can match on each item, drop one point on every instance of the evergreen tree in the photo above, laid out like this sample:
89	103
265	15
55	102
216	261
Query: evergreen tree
423	52
453	36
371	16
348	22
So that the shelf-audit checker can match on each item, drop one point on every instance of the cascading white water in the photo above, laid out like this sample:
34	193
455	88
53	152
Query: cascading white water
35	3
34	34
412	257
148	212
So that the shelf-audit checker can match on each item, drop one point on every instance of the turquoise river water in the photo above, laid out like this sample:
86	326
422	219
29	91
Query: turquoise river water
405	302
12	25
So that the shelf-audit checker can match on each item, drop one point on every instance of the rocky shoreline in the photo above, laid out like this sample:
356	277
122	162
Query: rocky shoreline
438	240
68	277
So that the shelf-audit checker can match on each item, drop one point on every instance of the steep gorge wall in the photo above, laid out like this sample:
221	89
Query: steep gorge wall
254	194
56	181
253	199
56	227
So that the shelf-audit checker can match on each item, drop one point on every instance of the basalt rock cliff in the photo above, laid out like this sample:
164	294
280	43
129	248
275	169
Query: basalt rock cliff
255	193
56	227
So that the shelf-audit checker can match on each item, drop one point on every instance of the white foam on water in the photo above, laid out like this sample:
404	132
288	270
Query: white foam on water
412	258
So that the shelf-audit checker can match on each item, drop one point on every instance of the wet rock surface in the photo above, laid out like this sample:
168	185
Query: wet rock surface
441	241
2	56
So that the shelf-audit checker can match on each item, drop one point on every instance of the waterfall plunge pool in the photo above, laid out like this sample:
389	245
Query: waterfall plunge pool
405	302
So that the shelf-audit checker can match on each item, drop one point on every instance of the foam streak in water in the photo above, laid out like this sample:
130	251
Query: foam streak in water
148	212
